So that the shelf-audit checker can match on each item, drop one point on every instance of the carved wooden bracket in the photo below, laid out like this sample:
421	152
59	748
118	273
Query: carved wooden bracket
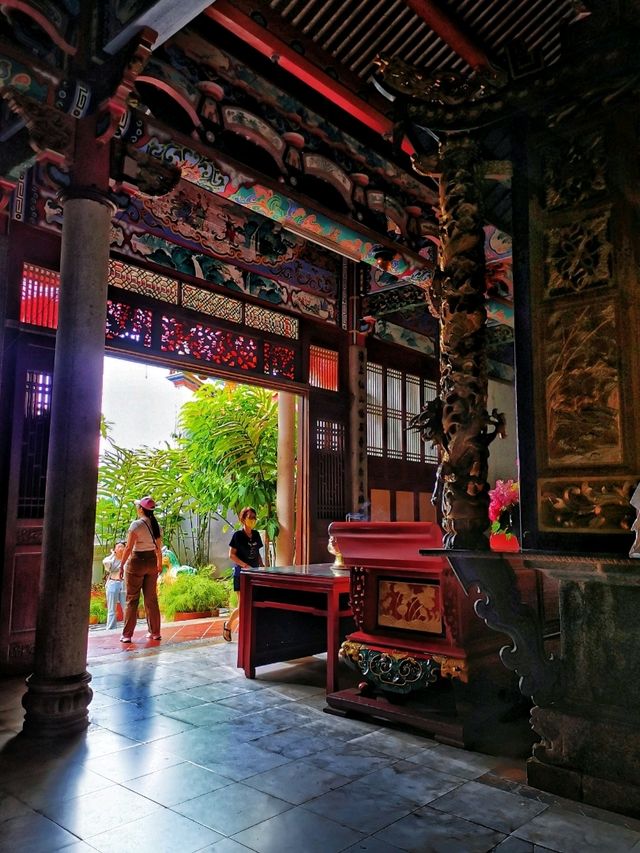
114	107
137	172
51	132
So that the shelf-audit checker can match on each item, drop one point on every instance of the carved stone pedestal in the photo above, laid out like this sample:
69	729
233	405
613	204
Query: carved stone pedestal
590	748
587	710
586	759
57	707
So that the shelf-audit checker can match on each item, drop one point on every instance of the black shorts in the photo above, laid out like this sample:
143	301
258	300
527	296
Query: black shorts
236	578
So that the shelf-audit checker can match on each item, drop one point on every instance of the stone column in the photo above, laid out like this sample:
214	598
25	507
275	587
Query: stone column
286	493
58	690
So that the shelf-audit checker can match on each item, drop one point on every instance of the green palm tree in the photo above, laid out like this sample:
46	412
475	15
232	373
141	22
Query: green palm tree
230	439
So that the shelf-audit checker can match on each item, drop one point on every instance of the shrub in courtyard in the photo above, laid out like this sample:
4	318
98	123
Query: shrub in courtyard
192	594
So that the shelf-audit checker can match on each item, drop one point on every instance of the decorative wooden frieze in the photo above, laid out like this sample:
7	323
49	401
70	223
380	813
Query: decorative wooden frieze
574	171
582	386
578	256
390	301
589	504
28	535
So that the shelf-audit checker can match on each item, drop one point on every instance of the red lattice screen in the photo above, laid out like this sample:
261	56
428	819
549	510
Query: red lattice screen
39	296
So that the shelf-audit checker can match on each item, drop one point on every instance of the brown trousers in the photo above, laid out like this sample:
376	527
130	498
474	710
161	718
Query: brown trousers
141	574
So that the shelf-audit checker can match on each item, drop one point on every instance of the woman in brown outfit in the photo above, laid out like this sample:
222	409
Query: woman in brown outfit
141	565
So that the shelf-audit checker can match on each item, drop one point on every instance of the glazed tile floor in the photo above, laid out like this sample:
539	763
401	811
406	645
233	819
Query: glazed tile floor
185	754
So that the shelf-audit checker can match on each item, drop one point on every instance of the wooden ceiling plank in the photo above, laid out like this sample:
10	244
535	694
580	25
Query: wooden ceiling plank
449	31
340	29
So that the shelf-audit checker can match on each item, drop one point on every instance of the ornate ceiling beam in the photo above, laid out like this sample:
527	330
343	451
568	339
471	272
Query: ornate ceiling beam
221	175
308	68
53	18
450	32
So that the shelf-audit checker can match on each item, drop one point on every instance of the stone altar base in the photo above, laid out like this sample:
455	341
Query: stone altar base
605	752
590	747
449	713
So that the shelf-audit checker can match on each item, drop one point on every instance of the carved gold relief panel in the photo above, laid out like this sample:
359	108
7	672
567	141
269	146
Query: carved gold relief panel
590	504
578	256
411	606
582	386
574	171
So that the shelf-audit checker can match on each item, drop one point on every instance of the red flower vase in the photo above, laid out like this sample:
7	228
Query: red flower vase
502	542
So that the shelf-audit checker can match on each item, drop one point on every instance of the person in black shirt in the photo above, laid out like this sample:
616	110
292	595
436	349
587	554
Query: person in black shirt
244	553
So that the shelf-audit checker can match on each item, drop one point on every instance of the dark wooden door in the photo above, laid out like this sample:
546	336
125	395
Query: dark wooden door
25	503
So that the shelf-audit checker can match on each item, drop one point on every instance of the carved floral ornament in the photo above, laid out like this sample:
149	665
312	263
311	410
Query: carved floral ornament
399	672
593	505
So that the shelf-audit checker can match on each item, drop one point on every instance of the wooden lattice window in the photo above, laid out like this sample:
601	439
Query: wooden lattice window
329	450
323	368
35	444
39	296
393	398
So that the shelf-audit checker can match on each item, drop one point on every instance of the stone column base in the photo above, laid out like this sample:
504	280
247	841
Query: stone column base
56	706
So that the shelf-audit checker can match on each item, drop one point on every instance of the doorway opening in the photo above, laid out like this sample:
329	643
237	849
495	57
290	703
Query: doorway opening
203	447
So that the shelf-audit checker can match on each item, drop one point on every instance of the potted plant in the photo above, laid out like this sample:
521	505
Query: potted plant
192	597
503	509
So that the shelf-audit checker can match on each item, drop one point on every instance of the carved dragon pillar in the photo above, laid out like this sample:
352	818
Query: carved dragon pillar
463	361
457	421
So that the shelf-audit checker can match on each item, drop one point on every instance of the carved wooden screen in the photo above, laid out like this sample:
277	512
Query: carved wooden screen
584	362
153	314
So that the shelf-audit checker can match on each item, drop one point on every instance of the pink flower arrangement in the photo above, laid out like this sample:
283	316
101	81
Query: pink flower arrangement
502	499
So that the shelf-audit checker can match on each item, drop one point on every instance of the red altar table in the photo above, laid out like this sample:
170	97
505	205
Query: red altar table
288	612
424	657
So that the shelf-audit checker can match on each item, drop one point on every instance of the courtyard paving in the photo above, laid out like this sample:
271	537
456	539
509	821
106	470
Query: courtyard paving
184	754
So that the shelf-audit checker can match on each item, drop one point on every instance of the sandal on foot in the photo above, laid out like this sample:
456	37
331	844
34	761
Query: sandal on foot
152	637
125	639
226	632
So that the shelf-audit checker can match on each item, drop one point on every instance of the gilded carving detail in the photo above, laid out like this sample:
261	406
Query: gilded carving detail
578	257
356	594
593	505
350	650
574	172
582	387
49	129
410	606
452	668
393	671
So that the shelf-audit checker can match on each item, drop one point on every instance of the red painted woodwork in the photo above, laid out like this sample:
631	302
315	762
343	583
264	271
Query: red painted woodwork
287	612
